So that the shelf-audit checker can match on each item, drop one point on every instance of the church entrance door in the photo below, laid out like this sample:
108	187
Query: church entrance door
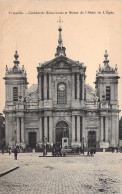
32	139
62	130
92	139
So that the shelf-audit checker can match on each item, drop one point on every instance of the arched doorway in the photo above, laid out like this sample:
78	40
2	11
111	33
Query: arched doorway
62	130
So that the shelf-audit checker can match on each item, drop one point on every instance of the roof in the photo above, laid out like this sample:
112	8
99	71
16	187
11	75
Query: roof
89	88
32	89
61	58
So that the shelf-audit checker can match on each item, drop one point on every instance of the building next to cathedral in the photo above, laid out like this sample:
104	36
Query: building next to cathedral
62	104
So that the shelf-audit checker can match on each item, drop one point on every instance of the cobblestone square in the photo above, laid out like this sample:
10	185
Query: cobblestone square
59	175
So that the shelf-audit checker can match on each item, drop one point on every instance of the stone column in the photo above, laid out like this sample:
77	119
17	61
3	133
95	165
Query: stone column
106	128
22	130
101	128
83	88
73	88
45	126
40	130
18	131
73	128
50	130
50	86
78	129
45	86
78	87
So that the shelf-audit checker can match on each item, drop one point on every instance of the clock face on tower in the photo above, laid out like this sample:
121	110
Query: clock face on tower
61	87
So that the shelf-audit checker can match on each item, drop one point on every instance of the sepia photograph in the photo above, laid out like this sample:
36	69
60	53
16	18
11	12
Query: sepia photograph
61	97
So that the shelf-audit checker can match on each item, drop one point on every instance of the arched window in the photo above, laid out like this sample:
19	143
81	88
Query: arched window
61	93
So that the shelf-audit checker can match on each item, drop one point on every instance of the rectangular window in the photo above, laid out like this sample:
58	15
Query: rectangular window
48	129
62	97
107	92
15	94
61	93
42	87
47	86
80	128
75	85
75	128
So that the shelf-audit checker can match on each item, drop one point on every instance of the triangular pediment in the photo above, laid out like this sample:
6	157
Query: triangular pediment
61	62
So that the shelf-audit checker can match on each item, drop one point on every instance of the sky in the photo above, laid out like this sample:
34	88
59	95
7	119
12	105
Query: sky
88	29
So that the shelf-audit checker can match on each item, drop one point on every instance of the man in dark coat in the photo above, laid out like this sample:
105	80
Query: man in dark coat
15	153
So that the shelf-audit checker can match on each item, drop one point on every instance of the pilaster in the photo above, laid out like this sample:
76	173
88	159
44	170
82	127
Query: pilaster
50	86
83	130
45	127
40	130
101	128
78	87
106	128
78	129
45	87
40	85
83	87
22	130
113	130
18	131
6	130
50	130
73	90
73	129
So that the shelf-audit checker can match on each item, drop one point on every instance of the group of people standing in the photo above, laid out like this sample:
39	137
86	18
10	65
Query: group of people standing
10	151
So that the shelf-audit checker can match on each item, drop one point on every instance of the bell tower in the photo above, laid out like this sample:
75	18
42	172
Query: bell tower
15	92
107	90
16	82
107	82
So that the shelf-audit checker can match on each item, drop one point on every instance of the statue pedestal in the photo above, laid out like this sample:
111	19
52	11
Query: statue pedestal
104	144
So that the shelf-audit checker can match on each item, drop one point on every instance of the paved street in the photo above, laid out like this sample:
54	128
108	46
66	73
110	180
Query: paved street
63	175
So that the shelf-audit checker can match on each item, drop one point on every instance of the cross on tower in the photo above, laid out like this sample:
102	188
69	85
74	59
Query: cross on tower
59	21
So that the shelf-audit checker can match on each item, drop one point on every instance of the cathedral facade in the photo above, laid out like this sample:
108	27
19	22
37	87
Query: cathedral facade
62	104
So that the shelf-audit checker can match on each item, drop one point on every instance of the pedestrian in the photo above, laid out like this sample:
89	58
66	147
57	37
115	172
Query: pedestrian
91	151
44	150
2	150
112	150
94	151
15	153
9	151
88	151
